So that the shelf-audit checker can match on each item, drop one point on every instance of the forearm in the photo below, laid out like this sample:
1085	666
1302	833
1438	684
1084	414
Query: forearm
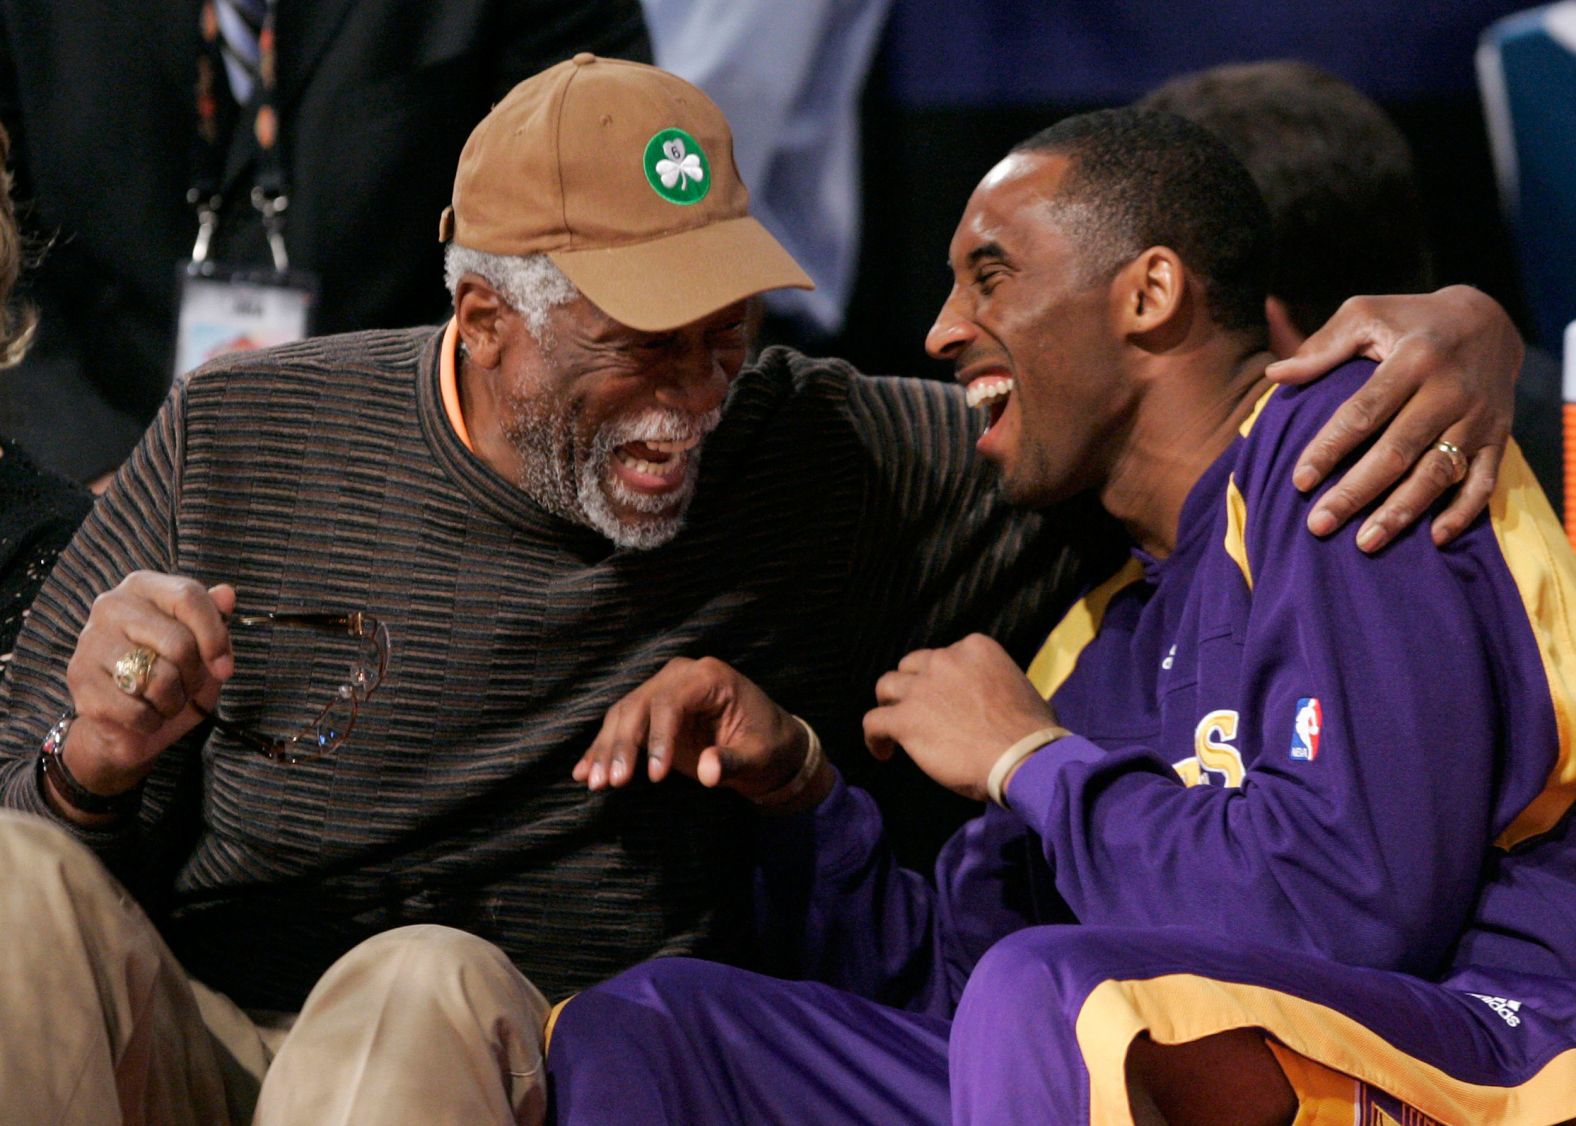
1312	868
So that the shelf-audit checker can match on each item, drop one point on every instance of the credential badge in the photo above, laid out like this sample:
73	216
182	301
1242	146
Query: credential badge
677	168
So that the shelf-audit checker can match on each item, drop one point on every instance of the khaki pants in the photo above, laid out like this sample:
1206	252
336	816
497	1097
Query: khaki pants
99	1023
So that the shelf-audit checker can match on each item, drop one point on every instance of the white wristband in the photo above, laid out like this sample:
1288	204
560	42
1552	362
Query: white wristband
1015	754
807	770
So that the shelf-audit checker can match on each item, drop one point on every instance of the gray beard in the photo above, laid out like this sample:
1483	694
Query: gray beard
580	485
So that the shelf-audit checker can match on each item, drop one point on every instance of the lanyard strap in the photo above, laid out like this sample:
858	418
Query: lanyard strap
218	116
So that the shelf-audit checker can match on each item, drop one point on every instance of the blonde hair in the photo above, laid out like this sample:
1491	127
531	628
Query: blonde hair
18	322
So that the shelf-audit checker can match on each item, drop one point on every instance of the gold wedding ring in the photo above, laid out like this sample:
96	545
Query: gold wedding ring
1458	460
131	671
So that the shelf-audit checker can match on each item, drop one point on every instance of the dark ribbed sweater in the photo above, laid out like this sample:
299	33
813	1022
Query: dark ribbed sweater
839	521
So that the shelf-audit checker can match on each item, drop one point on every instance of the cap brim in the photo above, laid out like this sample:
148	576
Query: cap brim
668	282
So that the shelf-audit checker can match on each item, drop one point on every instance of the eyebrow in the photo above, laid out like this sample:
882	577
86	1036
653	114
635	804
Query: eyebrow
986	250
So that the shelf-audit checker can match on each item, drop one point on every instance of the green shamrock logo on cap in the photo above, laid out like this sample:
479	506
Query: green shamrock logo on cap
677	168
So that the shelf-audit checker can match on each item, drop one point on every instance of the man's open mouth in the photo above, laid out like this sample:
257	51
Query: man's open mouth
992	393
654	463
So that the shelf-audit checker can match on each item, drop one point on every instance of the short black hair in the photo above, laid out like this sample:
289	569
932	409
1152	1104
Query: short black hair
1139	178
1334	170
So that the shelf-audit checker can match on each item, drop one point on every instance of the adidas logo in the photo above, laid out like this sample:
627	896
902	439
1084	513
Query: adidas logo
1504	1006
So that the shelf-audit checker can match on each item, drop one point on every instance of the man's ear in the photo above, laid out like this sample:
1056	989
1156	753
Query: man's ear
480	312
1151	293
1285	336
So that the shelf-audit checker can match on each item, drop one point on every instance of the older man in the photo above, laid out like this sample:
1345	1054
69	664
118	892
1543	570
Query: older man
498	528
1308	811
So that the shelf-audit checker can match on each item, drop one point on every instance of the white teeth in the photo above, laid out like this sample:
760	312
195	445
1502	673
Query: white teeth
668	468
983	391
675	447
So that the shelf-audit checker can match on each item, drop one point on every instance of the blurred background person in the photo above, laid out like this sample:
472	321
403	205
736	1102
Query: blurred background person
127	119
39	510
1345	208
790	78
954	85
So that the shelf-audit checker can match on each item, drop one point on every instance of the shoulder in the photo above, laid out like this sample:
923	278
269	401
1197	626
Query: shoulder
1298	412
316	355
891	410
1287	420
355	391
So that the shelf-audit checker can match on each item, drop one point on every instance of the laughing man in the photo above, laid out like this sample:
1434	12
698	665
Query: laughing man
1292	830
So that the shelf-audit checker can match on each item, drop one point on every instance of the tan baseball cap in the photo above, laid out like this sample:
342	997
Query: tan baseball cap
623	175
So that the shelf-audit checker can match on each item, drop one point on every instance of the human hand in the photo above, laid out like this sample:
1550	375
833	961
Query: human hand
117	735
1448	367
707	721
955	710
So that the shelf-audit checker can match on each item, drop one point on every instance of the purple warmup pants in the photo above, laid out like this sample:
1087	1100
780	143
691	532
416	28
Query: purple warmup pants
1041	1036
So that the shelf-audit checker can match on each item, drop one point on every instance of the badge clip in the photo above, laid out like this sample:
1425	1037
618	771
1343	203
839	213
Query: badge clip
272	207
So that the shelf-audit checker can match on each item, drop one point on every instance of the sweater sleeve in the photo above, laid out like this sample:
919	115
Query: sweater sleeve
1369	731
131	528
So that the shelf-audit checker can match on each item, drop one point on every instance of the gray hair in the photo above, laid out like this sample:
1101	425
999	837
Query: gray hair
530	283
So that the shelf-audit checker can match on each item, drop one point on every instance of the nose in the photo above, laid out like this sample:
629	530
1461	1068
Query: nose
952	331
698	385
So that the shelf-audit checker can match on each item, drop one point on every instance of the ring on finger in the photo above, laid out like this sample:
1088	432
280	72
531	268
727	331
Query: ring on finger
131	671
1458	460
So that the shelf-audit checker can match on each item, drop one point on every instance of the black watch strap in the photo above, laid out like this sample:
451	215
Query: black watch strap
52	765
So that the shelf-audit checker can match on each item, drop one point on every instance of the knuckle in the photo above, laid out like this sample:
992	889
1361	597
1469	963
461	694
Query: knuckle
180	649
1426	347
1339	501
1393	518
1359	417
661	704
1437	472
104	605
1393	459
1358	308
189	597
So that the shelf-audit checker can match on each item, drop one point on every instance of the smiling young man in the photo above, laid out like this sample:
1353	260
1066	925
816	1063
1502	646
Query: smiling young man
1292	835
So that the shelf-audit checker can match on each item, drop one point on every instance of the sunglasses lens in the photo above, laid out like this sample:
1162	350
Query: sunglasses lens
371	662
334	722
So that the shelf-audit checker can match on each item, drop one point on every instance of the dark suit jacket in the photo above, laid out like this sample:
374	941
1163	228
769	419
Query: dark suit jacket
376	97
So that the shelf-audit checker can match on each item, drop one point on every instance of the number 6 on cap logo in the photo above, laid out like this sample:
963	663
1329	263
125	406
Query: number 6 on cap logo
677	168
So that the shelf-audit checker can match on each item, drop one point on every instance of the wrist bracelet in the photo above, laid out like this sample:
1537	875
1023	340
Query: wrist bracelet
52	765
807	770
1015	754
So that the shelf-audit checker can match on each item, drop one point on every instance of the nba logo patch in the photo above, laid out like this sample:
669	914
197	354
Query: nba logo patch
1305	729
